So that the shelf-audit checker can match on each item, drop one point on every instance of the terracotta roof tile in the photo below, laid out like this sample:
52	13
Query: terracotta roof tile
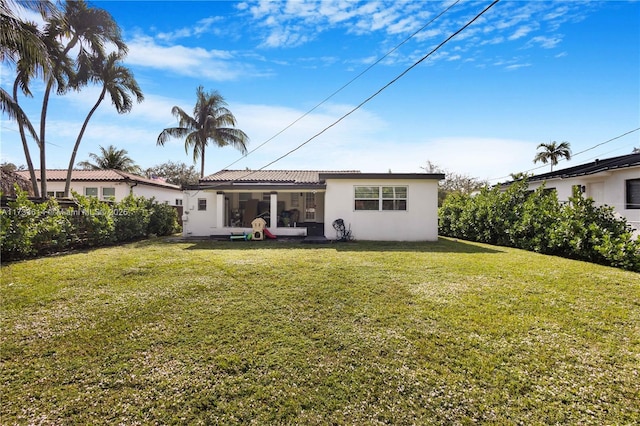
54	175
275	176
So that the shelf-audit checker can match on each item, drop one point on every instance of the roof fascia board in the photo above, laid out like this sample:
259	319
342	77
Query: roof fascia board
262	187
382	176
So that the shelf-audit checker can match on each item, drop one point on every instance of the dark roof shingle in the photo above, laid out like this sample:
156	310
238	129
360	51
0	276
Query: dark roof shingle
597	166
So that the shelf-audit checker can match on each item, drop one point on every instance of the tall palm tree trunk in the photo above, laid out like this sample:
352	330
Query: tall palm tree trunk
25	146
202	165
43	156
67	185
43	119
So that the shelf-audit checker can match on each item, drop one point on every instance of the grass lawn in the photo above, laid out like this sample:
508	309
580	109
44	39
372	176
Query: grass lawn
283	333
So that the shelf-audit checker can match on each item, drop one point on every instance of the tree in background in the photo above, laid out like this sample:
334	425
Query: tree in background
75	27
211	121
111	159
454	182
174	173
22	46
552	152
118	82
20	40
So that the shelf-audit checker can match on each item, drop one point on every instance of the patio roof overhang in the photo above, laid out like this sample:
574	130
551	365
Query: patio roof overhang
257	187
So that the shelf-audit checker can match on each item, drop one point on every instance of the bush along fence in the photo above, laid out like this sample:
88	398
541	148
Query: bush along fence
537	221
31	228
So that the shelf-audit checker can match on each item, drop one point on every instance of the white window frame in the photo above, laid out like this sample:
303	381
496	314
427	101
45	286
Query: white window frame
87	188
107	197
380	197
202	204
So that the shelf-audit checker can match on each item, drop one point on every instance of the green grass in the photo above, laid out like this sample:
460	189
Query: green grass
283	333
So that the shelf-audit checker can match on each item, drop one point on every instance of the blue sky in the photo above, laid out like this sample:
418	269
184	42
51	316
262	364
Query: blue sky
526	72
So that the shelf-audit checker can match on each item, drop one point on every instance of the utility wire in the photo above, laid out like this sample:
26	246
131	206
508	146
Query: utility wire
345	85
576	154
402	74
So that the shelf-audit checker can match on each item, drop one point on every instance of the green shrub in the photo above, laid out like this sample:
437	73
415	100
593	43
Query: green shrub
30	228
33	228
131	217
18	227
163	219
537	221
94	221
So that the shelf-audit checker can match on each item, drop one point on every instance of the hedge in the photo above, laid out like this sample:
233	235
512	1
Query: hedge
31	229
537	221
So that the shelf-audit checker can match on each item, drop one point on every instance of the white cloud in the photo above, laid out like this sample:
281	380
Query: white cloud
217	65
521	32
545	42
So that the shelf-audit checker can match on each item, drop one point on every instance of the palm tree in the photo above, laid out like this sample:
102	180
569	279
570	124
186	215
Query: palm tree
17	39
111	158
118	82
211	121
552	152
87	28
21	45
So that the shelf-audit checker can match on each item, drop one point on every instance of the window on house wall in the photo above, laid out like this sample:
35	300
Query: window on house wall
367	198
633	193
56	194
178	201
91	192
380	198
108	193
394	198
202	204
295	199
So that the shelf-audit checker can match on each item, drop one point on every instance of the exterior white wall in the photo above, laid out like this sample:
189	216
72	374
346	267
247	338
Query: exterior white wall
122	190
607	188
199	222
161	195
418	223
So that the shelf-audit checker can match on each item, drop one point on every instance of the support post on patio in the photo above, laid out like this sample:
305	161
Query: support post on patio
273	213
219	209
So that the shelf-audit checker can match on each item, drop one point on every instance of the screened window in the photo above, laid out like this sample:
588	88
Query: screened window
202	204
380	198
108	193
367	198
91	192
633	194
394	198
178	201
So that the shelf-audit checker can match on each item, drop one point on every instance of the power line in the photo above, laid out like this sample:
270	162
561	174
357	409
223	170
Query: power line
402	74
605	142
576	154
346	84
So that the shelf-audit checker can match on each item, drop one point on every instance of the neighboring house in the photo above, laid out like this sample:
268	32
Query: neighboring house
375	206
108	184
612	181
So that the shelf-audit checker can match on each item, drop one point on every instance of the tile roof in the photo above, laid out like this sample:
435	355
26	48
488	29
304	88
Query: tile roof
291	177
54	175
597	166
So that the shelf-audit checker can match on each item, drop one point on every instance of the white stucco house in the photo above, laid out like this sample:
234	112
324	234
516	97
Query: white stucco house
302	203
110	184
611	181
